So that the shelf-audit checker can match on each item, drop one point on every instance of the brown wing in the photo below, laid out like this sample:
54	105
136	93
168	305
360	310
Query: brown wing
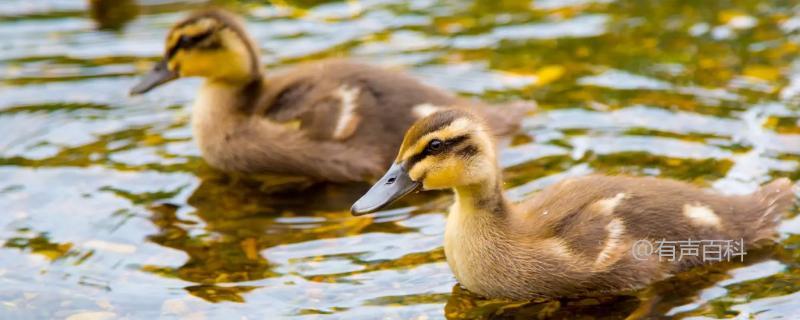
364	109
602	217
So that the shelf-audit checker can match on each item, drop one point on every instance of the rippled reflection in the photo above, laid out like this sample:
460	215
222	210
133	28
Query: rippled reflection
109	212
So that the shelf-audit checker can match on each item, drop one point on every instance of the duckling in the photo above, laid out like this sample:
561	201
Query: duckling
331	120
113	14
575	237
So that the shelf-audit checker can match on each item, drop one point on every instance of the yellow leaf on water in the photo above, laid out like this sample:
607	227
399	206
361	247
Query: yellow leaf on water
152	140
51	254
762	72
725	16
250	249
707	63
548	74
771	123
674	162
737	19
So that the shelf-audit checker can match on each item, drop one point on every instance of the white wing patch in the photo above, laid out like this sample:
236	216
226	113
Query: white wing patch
701	215
348	118
423	110
607	206
613	246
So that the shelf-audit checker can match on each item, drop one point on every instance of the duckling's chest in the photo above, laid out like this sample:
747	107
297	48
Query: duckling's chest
476	252
214	119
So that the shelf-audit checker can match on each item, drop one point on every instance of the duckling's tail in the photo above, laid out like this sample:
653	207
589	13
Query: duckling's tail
769	204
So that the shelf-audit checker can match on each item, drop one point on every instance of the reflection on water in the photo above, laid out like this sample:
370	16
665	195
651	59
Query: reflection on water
109	212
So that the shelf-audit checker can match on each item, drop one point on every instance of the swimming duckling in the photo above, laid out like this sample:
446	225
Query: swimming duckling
571	238
331	120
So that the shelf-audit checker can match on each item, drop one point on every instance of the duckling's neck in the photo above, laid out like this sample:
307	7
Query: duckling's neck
476	229
217	103
479	213
482	199
221	108
226	99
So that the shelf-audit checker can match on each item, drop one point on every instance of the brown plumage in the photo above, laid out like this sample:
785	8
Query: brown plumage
574	237
331	120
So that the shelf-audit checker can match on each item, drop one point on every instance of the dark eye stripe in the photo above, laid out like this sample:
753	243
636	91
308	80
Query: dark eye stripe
448	145
452	142
185	42
467	151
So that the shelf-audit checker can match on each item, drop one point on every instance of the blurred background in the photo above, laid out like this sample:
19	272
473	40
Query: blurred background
107	211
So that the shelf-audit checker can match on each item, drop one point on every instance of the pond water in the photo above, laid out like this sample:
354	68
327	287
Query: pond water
107	210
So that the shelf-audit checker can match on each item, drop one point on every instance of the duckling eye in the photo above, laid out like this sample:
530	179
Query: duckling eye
184	42
189	41
434	146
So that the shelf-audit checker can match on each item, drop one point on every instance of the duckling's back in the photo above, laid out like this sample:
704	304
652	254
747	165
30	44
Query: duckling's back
364	105
599	223
603	217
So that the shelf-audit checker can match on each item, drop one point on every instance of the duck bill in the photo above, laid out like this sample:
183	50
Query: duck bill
156	77
394	185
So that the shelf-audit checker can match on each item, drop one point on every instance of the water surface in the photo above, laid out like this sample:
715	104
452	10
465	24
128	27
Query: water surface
108	211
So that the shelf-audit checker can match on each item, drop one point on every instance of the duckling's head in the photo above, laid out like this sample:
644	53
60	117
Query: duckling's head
211	44
448	149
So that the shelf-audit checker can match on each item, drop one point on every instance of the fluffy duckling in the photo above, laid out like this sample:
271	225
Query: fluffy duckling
332	120
113	14
572	238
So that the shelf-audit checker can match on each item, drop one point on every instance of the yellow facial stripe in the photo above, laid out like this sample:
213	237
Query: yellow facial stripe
207	64
418	170
202	64
456	128
446	174
438	172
